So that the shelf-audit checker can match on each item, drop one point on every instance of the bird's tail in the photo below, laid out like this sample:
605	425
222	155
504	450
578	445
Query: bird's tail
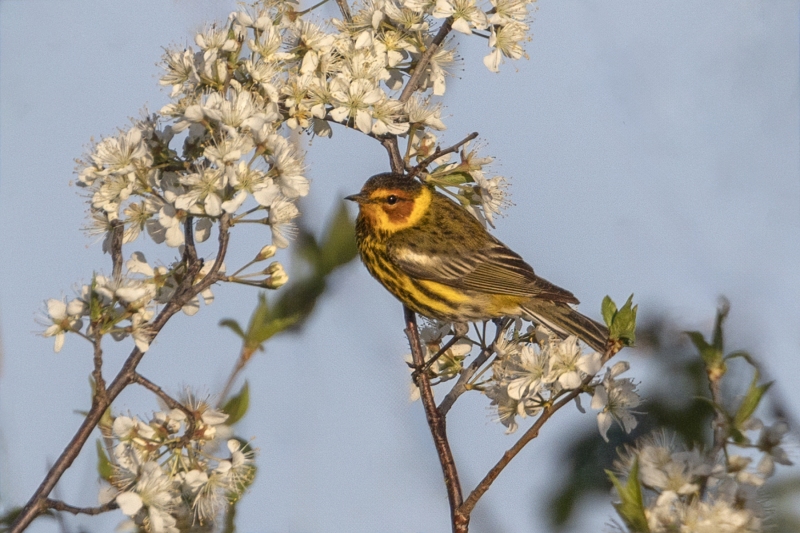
563	320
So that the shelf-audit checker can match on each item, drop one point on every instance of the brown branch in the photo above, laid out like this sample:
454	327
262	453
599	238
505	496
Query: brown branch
533	432
189	250
117	232
185	292
439	153
172	403
97	374
58	505
419	69
345	9
436	423
395	158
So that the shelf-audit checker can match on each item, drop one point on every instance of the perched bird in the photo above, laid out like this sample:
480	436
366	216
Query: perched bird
440	261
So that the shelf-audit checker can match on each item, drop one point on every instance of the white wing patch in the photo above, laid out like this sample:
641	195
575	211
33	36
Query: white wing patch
420	260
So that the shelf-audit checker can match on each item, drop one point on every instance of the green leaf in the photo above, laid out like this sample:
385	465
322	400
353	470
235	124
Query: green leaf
622	322
609	310
9	518
451	178
237	406
233	326
230	519
722	313
104	467
750	401
712	353
339	243
263	325
631	505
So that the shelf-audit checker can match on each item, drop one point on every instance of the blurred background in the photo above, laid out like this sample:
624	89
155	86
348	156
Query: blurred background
653	148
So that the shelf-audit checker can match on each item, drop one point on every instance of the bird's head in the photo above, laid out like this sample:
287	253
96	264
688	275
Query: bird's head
391	202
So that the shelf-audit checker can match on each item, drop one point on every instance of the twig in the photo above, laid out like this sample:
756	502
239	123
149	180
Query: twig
245	356
172	403
419	70
429	363
466	374
58	505
189	250
345	9
439	153
117	232
97	374
720	425
185	292
395	158
436	423
532	433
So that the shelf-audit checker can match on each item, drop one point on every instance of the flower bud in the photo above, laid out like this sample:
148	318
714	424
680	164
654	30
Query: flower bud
277	281
266	252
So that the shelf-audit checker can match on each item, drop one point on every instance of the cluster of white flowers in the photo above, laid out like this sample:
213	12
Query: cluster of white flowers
532	369
449	363
695	491
122	307
170	472
235	100
466	181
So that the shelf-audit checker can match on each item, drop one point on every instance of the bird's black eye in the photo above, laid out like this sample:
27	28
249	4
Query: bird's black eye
391	200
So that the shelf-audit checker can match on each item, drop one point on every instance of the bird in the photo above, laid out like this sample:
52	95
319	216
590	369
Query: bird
439	260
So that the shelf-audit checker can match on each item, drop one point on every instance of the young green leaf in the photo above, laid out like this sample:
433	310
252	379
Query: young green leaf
104	467
237	406
631	505
609	310
750	401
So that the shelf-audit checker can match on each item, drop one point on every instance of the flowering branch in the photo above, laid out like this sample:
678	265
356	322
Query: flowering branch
466	374
532	432
38	503
439	152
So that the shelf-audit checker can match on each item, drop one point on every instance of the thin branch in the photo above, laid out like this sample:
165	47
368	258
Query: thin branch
58	505
719	425
395	158
533	432
172	403
345	9
97	373
189	250
185	292
439	153
429	363
117	232
466	374
436	423
244	357
419	70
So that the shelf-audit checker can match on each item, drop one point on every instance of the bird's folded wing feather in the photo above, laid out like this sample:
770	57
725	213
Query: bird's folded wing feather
492	268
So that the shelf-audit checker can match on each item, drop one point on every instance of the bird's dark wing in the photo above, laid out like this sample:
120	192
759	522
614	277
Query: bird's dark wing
489	266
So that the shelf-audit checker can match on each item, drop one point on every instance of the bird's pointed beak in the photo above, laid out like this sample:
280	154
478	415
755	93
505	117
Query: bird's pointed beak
359	198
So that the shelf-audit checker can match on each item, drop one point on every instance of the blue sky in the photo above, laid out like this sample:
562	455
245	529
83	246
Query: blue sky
654	148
